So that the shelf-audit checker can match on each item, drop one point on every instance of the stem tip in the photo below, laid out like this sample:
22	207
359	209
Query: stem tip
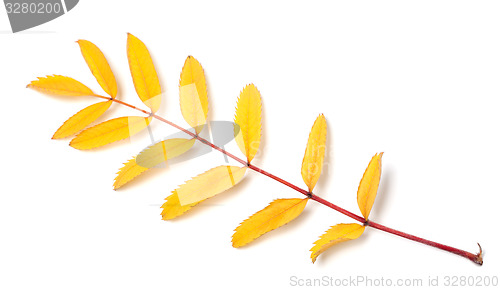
478	259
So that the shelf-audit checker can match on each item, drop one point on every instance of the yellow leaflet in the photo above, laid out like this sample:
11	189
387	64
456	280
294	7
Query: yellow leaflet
98	66
276	214
312	163
248	119
193	94
82	119
172	207
201	187
129	171
163	151
210	183
143	73
336	234
151	157
367	190
109	132
60	85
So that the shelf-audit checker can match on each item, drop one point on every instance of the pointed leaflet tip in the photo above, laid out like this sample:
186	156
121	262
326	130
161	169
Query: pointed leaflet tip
336	234
61	86
151	157
172	207
127	172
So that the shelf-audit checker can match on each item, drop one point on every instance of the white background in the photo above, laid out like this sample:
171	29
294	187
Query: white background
418	80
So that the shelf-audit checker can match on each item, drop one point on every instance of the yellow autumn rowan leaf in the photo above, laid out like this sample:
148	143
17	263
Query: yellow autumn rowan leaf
98	66
193	94
248	120
108	132
151	157
60	85
336	234
312	163
276	214
172	208
82	119
129	171
210	183
146	82
201	187
368	186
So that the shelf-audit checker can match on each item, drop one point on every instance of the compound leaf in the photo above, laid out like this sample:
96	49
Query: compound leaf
82	119
248	120
98	66
276	214
336	234
368	186
60	85
146	82
108	132
312	163
193	94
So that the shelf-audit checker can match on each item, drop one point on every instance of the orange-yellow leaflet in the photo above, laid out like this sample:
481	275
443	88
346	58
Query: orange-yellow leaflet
60	85
193	94
129	171
276	214
146	82
210	183
108	132
172	208
368	186
151	157
248	120
163	151
312	164
82	119
201	187
336	234
98	66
